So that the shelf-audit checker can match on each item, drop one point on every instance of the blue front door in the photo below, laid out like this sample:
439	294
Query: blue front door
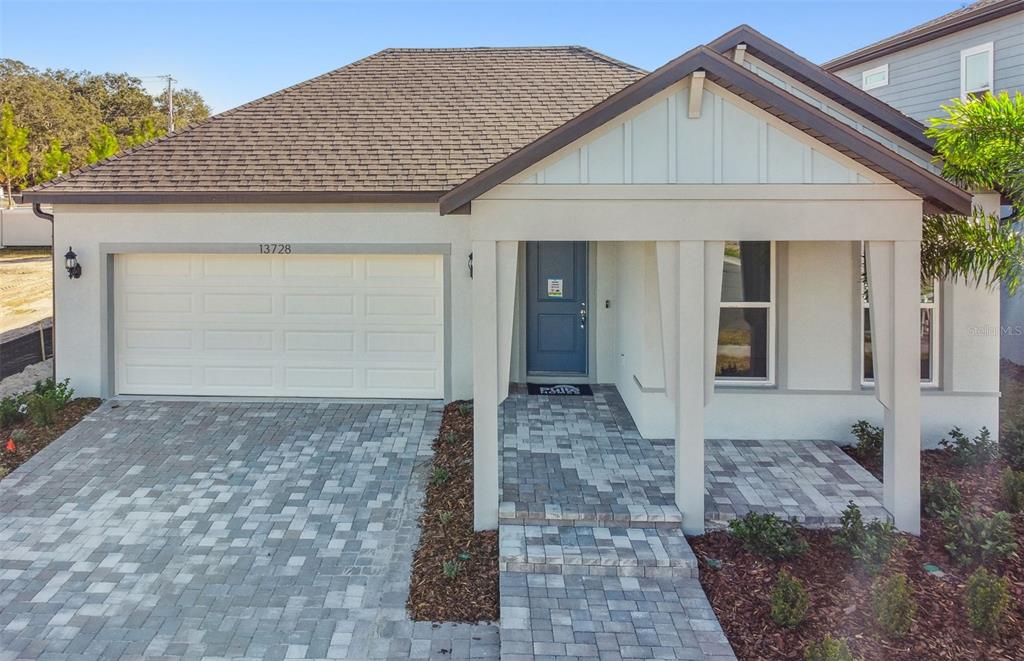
556	308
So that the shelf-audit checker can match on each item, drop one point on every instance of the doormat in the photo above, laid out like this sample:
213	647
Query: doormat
559	389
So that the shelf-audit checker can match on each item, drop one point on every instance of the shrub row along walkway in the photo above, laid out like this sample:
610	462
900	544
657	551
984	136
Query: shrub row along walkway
592	562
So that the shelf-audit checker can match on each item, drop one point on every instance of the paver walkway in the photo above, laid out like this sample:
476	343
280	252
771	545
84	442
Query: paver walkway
223	530
593	562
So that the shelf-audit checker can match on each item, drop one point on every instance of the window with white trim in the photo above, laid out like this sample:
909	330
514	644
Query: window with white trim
746	327
876	77
929	336
976	71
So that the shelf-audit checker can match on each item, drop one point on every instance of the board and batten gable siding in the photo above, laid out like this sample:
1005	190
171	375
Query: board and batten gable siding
840	112
732	142
924	77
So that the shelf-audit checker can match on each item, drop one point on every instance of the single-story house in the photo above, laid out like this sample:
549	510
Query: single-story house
438	223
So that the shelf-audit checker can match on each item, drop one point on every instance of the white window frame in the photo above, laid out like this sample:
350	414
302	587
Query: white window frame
864	85
753	381
974	50
933	382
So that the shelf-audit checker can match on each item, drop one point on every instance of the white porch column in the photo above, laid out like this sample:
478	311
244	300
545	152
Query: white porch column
689	286
894	288
508	260
485	385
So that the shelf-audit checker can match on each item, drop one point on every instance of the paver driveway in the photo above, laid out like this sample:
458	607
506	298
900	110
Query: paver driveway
222	530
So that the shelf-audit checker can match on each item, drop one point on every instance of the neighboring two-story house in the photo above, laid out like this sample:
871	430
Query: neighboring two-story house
975	49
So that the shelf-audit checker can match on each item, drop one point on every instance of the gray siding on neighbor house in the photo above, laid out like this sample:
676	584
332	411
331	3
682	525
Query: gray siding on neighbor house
924	77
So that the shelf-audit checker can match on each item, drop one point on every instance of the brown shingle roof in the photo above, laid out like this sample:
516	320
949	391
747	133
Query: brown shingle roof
400	120
958	19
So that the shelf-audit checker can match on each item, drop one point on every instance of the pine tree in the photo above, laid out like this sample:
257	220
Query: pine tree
102	144
56	161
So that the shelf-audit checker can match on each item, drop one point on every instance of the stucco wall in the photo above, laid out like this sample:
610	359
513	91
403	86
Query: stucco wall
80	304
818	394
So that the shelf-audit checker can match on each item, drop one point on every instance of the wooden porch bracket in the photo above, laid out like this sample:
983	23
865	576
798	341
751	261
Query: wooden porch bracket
696	94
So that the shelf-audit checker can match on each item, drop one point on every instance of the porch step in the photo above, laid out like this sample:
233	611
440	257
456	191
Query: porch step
595	550
620	516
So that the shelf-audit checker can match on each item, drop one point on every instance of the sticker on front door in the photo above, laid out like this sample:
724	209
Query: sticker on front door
555	288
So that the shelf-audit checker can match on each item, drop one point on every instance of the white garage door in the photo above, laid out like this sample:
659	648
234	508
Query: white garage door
279	325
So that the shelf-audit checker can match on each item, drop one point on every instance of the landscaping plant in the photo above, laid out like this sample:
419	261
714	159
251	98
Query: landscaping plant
1012	445
768	536
987	597
446	517
789	601
438	475
12	410
872	544
1012	489
892	601
869	438
830	649
42	409
973	538
60	392
940	497
976	451
451	568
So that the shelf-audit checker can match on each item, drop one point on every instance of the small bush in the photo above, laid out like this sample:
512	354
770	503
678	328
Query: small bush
1012	445
42	409
465	408
972	538
869	438
439	475
19	436
940	497
1012	483
971	452
871	545
446	517
768	536
449	437
12	410
60	392
451	568
789	601
829	649
987	597
892	600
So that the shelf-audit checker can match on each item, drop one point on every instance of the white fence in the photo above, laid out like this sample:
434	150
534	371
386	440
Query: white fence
20	227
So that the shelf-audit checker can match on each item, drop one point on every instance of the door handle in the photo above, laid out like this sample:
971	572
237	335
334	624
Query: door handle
583	314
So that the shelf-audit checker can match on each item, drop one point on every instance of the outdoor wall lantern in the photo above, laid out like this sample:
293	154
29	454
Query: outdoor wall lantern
72	265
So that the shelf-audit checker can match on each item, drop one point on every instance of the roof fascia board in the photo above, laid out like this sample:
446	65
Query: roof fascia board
917	37
718	68
826	83
227	197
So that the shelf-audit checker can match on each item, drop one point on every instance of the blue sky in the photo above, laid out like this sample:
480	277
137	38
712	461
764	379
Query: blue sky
233	51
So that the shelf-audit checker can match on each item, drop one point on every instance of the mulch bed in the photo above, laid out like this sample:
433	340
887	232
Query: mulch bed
472	594
39	437
840	591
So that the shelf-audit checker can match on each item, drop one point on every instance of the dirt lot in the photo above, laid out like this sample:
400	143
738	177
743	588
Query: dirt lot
26	287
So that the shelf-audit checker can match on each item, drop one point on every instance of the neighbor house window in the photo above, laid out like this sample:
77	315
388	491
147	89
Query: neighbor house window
746	331
976	71
877	77
929	336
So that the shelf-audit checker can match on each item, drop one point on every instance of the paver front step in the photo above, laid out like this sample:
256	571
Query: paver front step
595	550
625	516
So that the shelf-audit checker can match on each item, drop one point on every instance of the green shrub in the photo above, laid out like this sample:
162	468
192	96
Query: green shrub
446	517
61	392
451	568
987	597
940	497
871	545
972	538
1012	483
42	409
829	649
19	436
439	475
1012	445
12	410
449	437
869	438
789	601
768	536
892	600
465	408
971	452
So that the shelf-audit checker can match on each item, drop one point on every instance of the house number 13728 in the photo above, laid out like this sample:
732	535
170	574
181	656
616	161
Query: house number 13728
275	248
